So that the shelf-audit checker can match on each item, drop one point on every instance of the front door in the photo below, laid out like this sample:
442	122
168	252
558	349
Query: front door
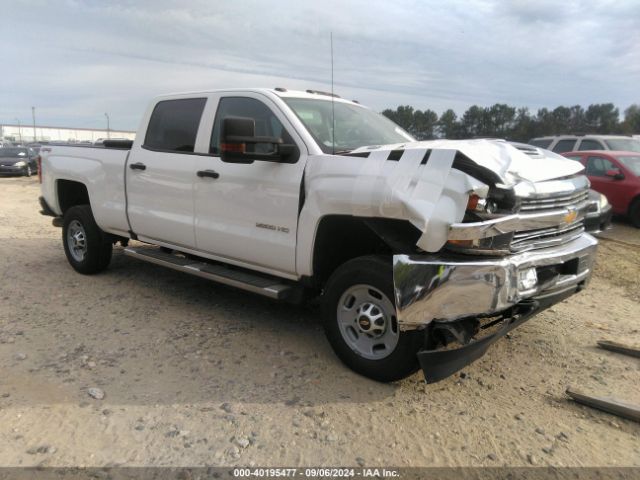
597	168
249	213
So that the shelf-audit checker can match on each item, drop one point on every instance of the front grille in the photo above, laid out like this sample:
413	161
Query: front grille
549	214
554	203
545	237
576	200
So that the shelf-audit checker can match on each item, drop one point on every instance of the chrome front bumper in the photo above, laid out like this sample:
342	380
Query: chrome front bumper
450	287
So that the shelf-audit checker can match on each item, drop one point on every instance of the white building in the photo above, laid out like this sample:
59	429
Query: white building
24	134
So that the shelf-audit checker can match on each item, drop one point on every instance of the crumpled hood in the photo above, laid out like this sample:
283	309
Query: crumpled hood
420	184
509	163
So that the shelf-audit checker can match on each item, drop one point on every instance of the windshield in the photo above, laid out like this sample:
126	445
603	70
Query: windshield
631	162
13	152
627	144
354	126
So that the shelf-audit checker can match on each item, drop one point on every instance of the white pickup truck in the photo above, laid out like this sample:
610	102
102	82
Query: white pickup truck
422	253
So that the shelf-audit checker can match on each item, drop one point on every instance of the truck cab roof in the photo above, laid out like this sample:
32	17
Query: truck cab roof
277	91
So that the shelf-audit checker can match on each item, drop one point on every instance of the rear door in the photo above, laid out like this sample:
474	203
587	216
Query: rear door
248	214
160	173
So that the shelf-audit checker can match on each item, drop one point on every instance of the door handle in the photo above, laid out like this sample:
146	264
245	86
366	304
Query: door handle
207	173
138	166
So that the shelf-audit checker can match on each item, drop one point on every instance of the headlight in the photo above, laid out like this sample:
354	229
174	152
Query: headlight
603	201
20	164
481	205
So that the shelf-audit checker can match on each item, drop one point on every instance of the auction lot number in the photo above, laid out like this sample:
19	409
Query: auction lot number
314	472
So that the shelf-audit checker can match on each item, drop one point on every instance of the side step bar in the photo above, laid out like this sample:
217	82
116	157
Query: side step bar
271	287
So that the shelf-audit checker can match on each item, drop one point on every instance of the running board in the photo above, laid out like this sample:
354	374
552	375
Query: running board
268	286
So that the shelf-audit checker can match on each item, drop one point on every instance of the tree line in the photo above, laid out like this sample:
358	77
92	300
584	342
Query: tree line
517	124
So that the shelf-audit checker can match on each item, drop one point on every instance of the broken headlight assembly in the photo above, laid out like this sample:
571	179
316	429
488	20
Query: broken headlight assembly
496	245
498	202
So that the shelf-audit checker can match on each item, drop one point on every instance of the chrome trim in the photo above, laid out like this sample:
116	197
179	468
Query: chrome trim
551	188
515	223
545	237
561	201
437	287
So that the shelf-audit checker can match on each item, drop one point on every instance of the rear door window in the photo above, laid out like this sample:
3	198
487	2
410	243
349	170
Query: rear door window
565	145
173	125
587	144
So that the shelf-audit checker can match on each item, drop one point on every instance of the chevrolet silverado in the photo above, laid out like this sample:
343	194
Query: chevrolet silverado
422	253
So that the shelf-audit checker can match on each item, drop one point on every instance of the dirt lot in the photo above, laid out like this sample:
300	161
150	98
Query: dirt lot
195	373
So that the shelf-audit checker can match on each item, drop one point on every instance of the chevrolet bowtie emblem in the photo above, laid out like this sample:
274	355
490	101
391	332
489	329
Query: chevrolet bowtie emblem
571	216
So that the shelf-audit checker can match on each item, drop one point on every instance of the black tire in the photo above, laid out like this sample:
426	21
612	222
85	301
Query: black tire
634	213
97	245
27	171
377	272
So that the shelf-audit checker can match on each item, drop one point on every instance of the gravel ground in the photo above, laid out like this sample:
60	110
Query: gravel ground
145	366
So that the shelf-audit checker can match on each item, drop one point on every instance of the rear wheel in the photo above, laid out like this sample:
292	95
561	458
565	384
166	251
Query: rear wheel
88	249
360	321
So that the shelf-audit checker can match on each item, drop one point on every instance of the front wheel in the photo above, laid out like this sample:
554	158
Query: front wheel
360	321
634	213
27	171
88	249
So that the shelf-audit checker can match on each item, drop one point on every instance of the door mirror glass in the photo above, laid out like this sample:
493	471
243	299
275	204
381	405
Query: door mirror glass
239	126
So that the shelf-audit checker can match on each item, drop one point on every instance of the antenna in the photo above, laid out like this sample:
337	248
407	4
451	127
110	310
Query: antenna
333	112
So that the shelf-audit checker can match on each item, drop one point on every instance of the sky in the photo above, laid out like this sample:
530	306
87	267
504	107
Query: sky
77	60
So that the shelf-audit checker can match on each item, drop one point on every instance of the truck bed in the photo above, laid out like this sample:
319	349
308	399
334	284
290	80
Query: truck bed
100	168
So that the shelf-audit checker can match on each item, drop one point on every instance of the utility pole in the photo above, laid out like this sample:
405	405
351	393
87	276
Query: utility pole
33	115
19	129
108	129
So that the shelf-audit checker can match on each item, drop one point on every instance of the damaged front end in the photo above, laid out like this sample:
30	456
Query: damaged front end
499	235
496	271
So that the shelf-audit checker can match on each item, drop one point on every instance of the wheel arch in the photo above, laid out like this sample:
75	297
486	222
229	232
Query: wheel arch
70	193
340	238
635	200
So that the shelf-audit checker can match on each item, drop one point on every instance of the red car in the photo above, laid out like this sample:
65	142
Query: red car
616	175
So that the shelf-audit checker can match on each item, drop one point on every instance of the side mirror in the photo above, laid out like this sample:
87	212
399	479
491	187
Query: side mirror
615	173
239	132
